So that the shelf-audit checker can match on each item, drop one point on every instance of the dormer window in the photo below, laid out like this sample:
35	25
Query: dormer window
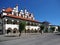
4	13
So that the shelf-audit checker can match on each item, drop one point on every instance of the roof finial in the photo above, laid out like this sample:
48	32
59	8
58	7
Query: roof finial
16	4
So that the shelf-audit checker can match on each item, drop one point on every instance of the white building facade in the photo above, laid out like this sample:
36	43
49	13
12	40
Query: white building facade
11	18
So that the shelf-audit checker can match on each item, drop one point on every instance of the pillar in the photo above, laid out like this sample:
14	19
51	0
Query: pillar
3	26
12	21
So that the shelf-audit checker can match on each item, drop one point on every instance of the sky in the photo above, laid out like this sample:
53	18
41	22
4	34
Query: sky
43	10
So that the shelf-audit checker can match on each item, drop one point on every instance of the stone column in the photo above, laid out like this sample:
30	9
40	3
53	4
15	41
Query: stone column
11	31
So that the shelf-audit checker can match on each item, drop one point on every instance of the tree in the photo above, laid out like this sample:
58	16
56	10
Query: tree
58	28
21	27
46	30
52	29
41	28
46	24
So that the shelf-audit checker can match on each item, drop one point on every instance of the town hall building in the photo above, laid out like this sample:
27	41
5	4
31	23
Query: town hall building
10	18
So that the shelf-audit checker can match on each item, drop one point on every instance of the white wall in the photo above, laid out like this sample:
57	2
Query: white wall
4	14
32	27
12	26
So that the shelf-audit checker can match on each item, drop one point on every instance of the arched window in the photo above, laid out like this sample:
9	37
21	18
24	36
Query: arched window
35	31
9	21
14	22
31	24
28	31
14	30
9	30
32	30
28	23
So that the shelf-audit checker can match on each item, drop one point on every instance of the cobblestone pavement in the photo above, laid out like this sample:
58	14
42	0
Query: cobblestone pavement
27	35
34	39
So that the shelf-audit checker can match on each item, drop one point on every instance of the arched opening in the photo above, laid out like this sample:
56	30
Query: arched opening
35	31
9	30
28	30
32	30
14	30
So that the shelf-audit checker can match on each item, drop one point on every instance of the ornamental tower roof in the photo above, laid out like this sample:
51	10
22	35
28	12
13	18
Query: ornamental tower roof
9	9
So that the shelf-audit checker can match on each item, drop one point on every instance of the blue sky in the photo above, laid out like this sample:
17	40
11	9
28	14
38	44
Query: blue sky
43	10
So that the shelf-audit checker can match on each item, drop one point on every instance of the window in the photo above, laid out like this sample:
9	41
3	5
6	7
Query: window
14	22
9	22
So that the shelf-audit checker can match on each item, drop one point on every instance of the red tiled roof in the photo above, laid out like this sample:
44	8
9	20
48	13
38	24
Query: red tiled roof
18	17
9	9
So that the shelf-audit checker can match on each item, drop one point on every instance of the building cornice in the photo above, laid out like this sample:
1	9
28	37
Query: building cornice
18	17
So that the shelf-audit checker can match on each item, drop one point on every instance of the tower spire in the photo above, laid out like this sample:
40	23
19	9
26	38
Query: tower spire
16	7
